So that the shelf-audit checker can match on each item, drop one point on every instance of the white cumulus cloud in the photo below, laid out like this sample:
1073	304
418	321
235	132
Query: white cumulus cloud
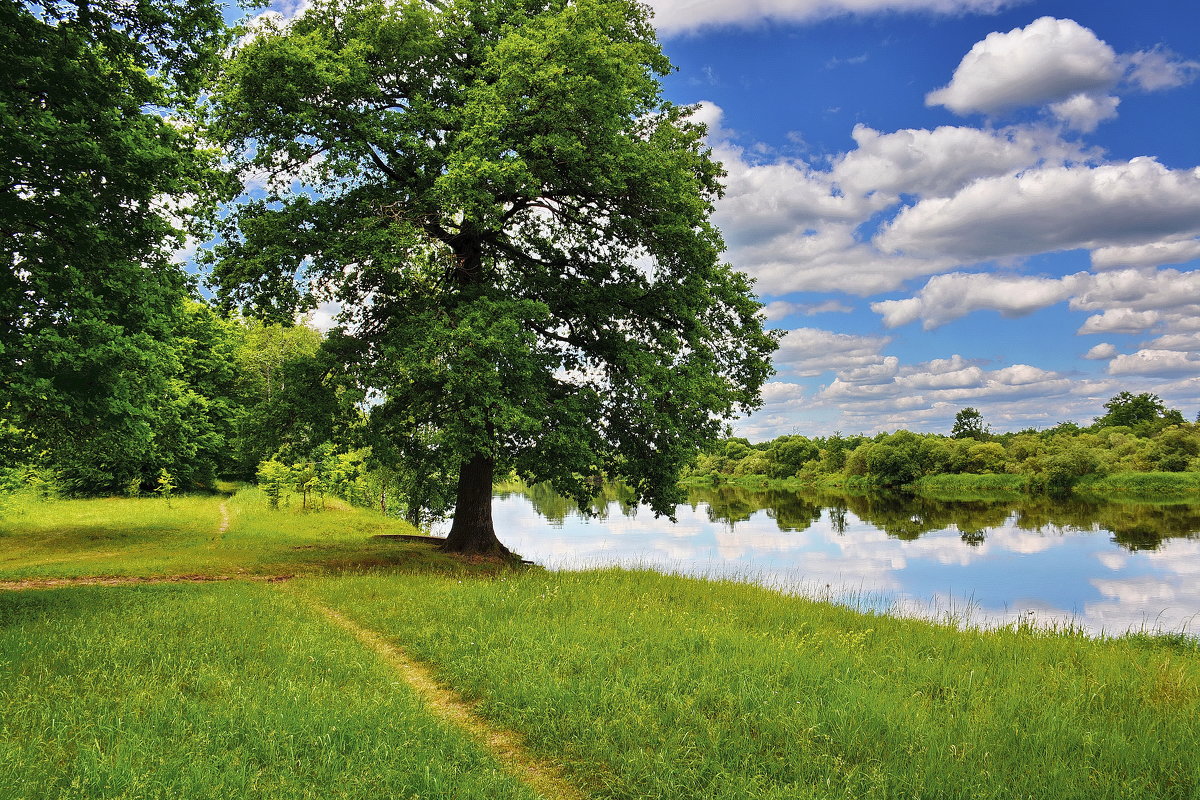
1158	68
1051	209
778	309
1048	60
947	297
1155	362
1139	290
796	227
1119	320
1172	250
1084	111
1101	352
938	162
1189	342
807	352
680	16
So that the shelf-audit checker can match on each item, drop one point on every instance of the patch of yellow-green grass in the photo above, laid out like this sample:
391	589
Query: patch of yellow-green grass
1150	486
969	486
661	687
228	690
204	535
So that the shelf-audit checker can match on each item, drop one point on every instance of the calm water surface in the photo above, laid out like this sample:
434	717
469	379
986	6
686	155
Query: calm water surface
1108	567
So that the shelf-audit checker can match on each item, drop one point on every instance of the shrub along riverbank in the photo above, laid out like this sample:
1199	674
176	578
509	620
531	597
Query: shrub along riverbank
640	685
1148	486
1137	435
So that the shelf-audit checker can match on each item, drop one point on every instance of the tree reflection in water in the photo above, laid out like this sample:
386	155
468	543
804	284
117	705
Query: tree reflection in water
1134	526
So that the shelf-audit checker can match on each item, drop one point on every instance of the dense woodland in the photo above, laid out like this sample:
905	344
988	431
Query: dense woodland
1137	433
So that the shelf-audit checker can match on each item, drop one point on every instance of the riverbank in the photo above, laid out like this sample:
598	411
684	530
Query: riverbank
1136	486
629	683
732	691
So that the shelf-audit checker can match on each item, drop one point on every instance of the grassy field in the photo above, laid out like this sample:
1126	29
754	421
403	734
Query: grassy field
211	535
663	687
965	485
1144	485
227	690
639	685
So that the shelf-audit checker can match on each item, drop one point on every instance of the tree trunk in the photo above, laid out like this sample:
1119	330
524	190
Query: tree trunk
472	532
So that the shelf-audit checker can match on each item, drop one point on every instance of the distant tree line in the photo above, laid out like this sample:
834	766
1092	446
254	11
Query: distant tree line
1136	433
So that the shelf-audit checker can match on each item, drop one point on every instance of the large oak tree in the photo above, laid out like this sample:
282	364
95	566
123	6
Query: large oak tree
518	226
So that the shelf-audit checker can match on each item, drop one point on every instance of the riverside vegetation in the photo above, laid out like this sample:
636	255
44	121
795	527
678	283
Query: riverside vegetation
1138	448
632	684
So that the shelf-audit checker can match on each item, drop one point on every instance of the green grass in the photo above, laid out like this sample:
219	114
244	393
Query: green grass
217	691
649	686
967	485
154	537
644	686
1143	485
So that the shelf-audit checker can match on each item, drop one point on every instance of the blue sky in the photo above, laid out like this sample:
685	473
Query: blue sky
951	203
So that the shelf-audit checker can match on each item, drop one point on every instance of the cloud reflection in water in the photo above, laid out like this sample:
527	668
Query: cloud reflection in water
1106	568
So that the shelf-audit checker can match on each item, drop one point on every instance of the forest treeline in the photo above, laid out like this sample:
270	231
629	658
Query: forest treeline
237	399
1137	433
230	392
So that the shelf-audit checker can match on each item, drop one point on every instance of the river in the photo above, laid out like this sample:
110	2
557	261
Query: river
1104	567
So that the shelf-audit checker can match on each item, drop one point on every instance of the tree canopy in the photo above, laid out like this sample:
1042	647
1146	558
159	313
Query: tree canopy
1133	411
517	225
969	424
102	175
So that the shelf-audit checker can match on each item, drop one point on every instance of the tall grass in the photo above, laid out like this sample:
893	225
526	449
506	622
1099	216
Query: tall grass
650	686
1143	485
214	691
968	485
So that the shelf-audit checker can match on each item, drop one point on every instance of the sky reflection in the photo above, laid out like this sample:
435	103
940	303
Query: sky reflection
988	562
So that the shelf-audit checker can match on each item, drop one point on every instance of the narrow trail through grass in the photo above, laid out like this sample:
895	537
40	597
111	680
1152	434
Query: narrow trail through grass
222	690
223	528
60	583
505	746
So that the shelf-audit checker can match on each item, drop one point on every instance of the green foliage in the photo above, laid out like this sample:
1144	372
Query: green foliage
1144	412
292	401
105	177
274	478
1053	461
360	478
528	218
969	424
166	486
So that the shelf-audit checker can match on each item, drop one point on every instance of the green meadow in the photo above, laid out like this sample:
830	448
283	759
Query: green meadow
632	684
206	535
